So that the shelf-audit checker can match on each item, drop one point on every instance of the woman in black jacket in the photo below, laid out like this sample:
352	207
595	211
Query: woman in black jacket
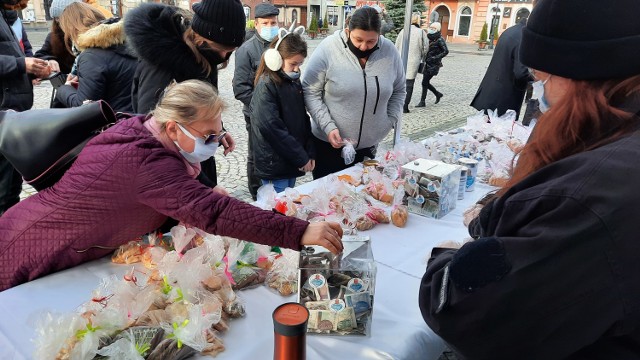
436	51
171	46
280	127
105	66
554	270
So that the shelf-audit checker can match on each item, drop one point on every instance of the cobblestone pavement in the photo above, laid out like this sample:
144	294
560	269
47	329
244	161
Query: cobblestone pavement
458	81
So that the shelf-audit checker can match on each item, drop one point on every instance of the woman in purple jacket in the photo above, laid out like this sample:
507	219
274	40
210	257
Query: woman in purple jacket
127	181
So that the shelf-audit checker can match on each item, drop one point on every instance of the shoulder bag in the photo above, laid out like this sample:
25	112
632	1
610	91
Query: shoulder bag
42	144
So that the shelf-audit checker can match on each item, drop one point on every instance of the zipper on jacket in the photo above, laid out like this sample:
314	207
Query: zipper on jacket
364	107
377	95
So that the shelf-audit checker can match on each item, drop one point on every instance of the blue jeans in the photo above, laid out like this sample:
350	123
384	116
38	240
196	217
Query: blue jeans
280	184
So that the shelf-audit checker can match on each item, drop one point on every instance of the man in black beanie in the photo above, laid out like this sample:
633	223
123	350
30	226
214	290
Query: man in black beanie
247	61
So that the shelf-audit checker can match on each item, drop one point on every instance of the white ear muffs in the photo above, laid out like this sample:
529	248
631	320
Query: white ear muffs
272	57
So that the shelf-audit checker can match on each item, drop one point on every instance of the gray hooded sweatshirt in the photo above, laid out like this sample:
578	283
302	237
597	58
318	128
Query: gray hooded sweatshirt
363	104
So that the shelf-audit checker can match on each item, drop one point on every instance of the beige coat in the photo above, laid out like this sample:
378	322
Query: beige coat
418	44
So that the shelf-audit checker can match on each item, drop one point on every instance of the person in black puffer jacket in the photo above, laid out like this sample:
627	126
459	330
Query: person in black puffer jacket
171	46
436	51
105	66
280	127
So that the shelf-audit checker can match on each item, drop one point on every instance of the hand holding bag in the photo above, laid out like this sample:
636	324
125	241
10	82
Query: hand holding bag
42	144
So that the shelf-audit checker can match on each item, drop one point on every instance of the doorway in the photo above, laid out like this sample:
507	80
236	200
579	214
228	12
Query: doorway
443	18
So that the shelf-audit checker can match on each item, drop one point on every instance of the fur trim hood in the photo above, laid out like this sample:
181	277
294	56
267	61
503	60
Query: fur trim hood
155	34
109	34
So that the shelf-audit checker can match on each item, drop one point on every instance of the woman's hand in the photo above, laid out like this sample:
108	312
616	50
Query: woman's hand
72	80
228	143
55	67
335	139
220	190
309	166
325	234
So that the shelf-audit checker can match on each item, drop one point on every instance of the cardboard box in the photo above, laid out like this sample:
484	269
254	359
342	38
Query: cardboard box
338	289
431	187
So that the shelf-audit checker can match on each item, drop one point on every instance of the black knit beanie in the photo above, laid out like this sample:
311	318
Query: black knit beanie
221	21
583	39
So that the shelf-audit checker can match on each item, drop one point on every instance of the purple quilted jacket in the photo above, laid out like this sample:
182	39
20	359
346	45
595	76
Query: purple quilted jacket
124	184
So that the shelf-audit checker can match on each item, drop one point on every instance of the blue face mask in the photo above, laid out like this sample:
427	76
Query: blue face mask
538	93
201	151
269	32
294	75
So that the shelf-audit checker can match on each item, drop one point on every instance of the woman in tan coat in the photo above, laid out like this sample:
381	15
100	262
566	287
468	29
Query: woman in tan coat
418	43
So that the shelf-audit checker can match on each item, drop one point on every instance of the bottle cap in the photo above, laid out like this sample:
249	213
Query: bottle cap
290	319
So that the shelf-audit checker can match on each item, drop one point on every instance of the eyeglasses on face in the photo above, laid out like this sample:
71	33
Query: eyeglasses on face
210	138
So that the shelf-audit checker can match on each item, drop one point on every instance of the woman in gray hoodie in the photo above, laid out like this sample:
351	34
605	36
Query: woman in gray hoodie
354	89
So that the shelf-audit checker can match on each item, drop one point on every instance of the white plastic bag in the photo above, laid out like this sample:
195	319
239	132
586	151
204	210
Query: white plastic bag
348	152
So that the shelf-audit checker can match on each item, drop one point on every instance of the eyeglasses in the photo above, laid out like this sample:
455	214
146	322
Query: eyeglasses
210	138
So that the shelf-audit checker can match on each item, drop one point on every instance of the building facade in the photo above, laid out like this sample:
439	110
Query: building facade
462	20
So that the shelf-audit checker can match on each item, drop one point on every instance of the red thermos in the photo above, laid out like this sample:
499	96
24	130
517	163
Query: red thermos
290	331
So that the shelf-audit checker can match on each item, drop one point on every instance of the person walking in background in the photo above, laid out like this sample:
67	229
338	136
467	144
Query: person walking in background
418	43
505	82
553	272
280	127
247	61
437	50
173	44
354	88
16	93
105	65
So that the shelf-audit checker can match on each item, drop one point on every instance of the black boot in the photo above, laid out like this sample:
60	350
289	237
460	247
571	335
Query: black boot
407	99
438	96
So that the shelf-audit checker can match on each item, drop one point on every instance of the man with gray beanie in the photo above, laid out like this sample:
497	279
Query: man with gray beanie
247	60
553	272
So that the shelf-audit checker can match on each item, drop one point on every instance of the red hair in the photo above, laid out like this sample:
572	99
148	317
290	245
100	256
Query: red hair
587	116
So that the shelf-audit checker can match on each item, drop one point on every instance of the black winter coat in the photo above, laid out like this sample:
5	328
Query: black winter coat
554	273
248	58
105	69
505	82
16	91
436	51
155	32
280	129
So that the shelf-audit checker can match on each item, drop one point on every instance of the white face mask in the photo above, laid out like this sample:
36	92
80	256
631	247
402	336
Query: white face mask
431	31
538	93
294	75
201	151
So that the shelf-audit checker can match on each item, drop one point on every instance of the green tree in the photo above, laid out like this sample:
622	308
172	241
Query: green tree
325	22
395	10
313	27
483	32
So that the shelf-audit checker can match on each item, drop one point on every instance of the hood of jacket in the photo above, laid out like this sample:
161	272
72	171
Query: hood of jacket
155	34
108	35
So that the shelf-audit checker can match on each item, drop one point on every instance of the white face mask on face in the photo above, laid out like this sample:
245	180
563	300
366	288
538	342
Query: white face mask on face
538	93
201	151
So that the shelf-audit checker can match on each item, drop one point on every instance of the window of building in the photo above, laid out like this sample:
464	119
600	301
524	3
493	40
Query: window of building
465	21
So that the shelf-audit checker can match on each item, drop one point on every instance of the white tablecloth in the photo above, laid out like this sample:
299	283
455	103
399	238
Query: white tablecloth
398	331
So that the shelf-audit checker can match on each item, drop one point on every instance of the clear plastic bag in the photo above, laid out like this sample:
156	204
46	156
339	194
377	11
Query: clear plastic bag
348	152
283	276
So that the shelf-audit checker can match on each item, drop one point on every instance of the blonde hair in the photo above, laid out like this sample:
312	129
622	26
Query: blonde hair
187	102
76	19
415	19
191	38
